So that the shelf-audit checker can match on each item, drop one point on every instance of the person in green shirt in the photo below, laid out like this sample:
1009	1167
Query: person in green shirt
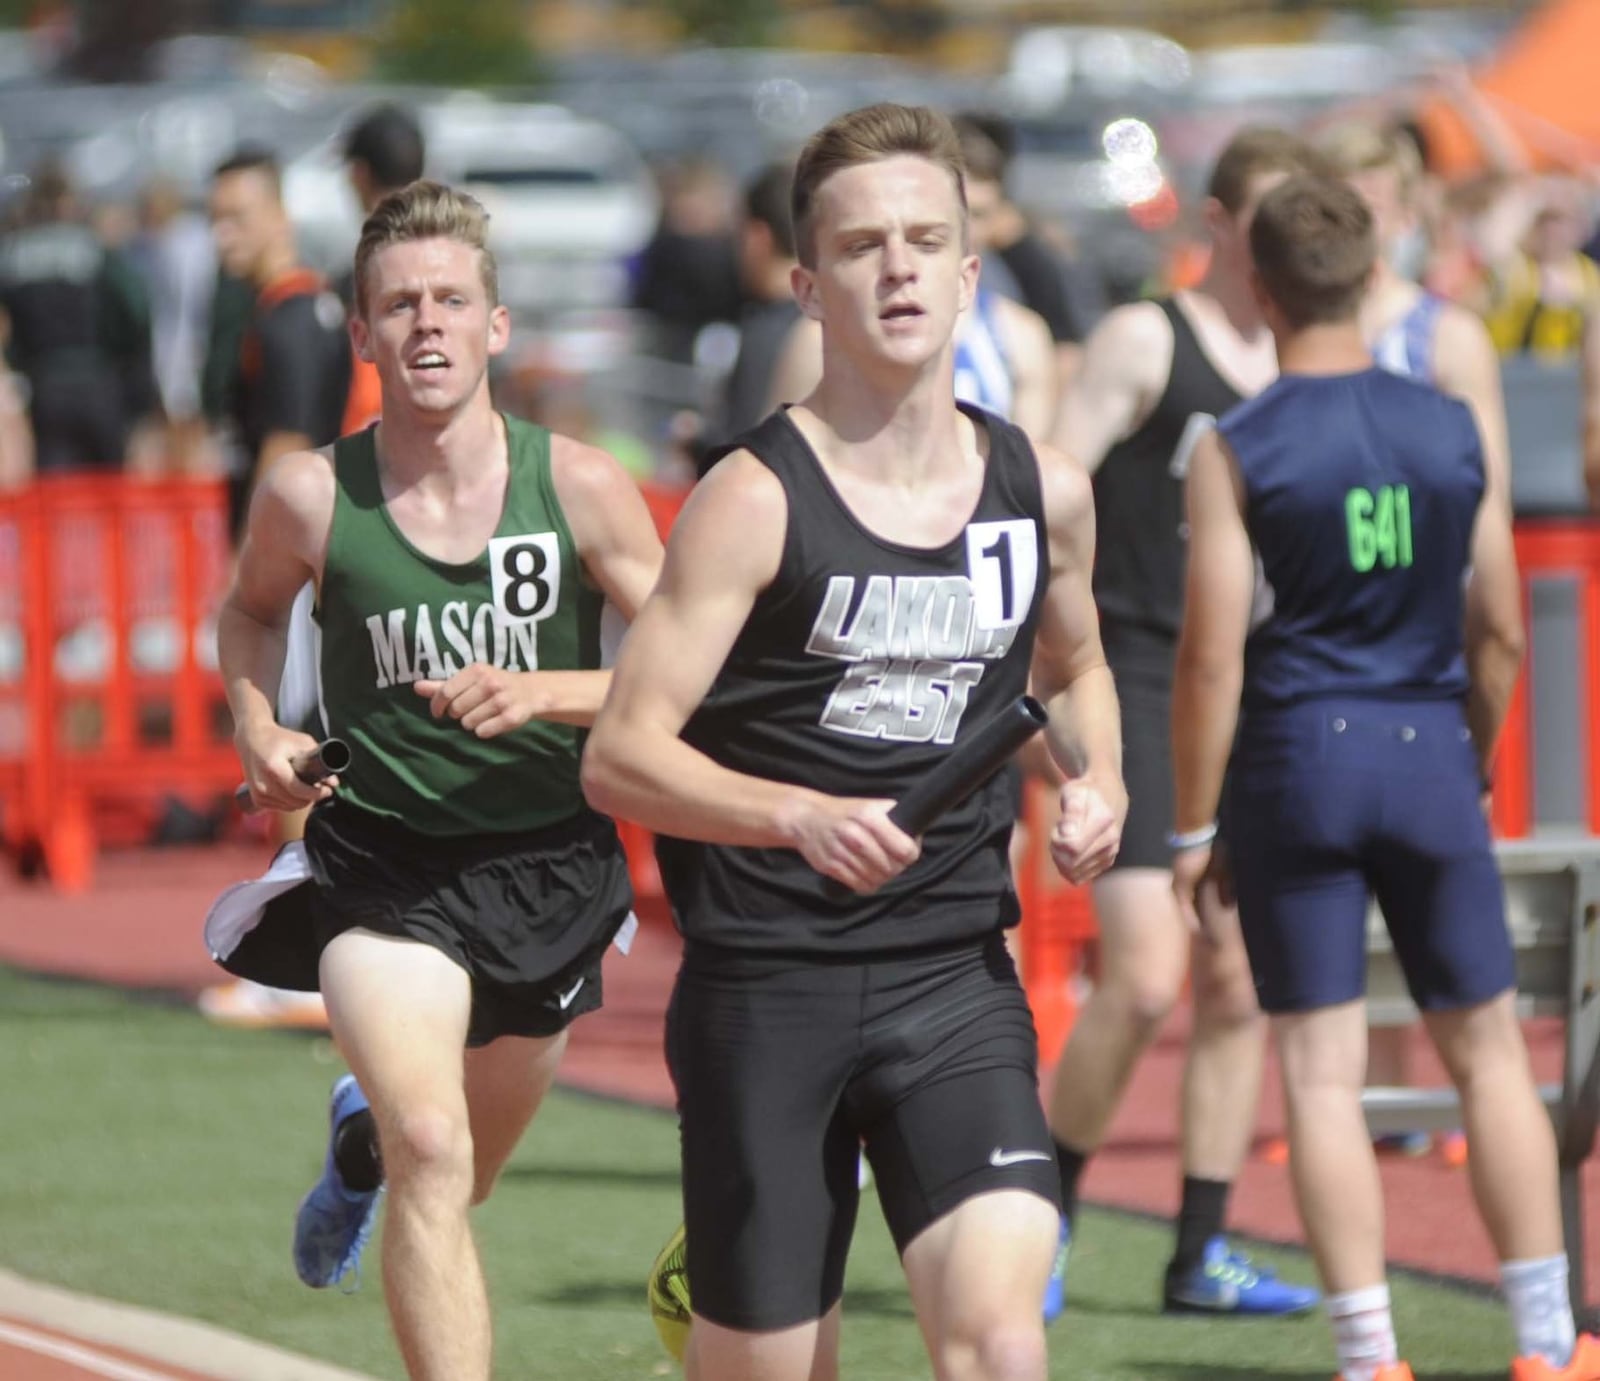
462	893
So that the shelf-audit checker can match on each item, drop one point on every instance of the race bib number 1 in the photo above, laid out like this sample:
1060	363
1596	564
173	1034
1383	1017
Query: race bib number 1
1003	566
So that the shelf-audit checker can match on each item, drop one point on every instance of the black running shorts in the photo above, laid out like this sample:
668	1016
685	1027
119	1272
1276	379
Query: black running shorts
528	916
786	1067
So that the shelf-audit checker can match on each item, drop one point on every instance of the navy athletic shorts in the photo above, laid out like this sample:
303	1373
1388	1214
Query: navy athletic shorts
1331	801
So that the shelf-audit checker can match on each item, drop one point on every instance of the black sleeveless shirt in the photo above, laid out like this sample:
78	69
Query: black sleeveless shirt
1141	539
859	667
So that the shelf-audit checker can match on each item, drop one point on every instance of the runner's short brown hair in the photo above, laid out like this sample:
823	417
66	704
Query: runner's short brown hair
868	135
426	211
1255	152
1314	248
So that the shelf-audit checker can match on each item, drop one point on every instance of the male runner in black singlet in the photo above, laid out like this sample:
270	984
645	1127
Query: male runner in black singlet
1155	377
846	599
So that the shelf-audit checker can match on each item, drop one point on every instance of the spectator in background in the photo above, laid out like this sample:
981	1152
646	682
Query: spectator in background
291	375
766	261
1155	377
1410	330
1542	295
231	302
1455	269
766	320
173	254
1048	281
16	436
79	331
288	389
384	151
688	275
1544	289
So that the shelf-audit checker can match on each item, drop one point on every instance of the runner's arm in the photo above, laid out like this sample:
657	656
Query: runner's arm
1209	674
1494	631
1071	677
1125	362
285	539
1031	355
1469	367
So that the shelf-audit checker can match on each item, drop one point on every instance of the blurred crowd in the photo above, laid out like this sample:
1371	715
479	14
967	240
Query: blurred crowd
168	333
163	338
1517	245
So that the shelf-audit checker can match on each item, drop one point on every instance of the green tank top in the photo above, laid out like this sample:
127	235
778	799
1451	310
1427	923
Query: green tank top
391	616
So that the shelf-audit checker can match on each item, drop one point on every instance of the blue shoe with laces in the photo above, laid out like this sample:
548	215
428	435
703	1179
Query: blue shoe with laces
1055	1290
333	1223
1228	1282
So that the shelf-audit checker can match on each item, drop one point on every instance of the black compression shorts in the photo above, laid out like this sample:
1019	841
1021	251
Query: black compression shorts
786	1067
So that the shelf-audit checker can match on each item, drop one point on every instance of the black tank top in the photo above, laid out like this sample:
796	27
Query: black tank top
859	668
1140	545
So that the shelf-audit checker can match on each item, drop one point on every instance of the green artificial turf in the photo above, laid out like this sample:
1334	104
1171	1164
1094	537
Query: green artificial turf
151	1158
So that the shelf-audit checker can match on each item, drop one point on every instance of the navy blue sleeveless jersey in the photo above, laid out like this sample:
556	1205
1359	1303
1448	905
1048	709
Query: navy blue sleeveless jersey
859	668
1361	493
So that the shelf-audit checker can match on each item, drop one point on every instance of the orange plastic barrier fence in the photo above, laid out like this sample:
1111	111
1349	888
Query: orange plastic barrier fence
109	694
1567	549
110	698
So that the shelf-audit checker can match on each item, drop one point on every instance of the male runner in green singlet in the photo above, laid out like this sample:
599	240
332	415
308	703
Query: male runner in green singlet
463	893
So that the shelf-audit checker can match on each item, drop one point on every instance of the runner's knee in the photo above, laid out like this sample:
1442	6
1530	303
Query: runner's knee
1144	994
428	1146
1225	989
1479	1044
999	1348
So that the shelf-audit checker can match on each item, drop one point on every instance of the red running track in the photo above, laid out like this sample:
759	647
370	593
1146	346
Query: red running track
30	1352
140	926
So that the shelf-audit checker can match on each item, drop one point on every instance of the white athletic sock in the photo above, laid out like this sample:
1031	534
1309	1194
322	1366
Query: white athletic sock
1363	1331
1541	1309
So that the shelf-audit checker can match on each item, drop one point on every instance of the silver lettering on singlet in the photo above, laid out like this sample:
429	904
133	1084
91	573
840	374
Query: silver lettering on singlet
915	653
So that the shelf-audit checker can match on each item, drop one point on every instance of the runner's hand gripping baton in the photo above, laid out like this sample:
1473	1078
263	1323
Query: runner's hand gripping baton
327	759
968	765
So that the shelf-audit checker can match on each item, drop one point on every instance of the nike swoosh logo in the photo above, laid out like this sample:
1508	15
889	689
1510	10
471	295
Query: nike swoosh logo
1000	1159
565	999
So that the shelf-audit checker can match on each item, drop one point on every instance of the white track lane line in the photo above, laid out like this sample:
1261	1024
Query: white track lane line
96	1363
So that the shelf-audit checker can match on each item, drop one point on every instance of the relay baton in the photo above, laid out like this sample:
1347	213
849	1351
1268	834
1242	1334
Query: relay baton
327	759
968	765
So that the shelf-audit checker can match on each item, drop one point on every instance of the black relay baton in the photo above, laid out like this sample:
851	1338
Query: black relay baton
969	765
327	759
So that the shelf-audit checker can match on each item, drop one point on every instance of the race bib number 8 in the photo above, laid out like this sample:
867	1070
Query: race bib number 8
1003	566
525	576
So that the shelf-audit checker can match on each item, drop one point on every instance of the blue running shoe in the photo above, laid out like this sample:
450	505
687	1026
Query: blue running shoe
1228	1282
1055	1290
1408	1144
333	1224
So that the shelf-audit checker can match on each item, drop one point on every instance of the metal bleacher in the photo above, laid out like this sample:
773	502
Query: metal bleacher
1553	912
